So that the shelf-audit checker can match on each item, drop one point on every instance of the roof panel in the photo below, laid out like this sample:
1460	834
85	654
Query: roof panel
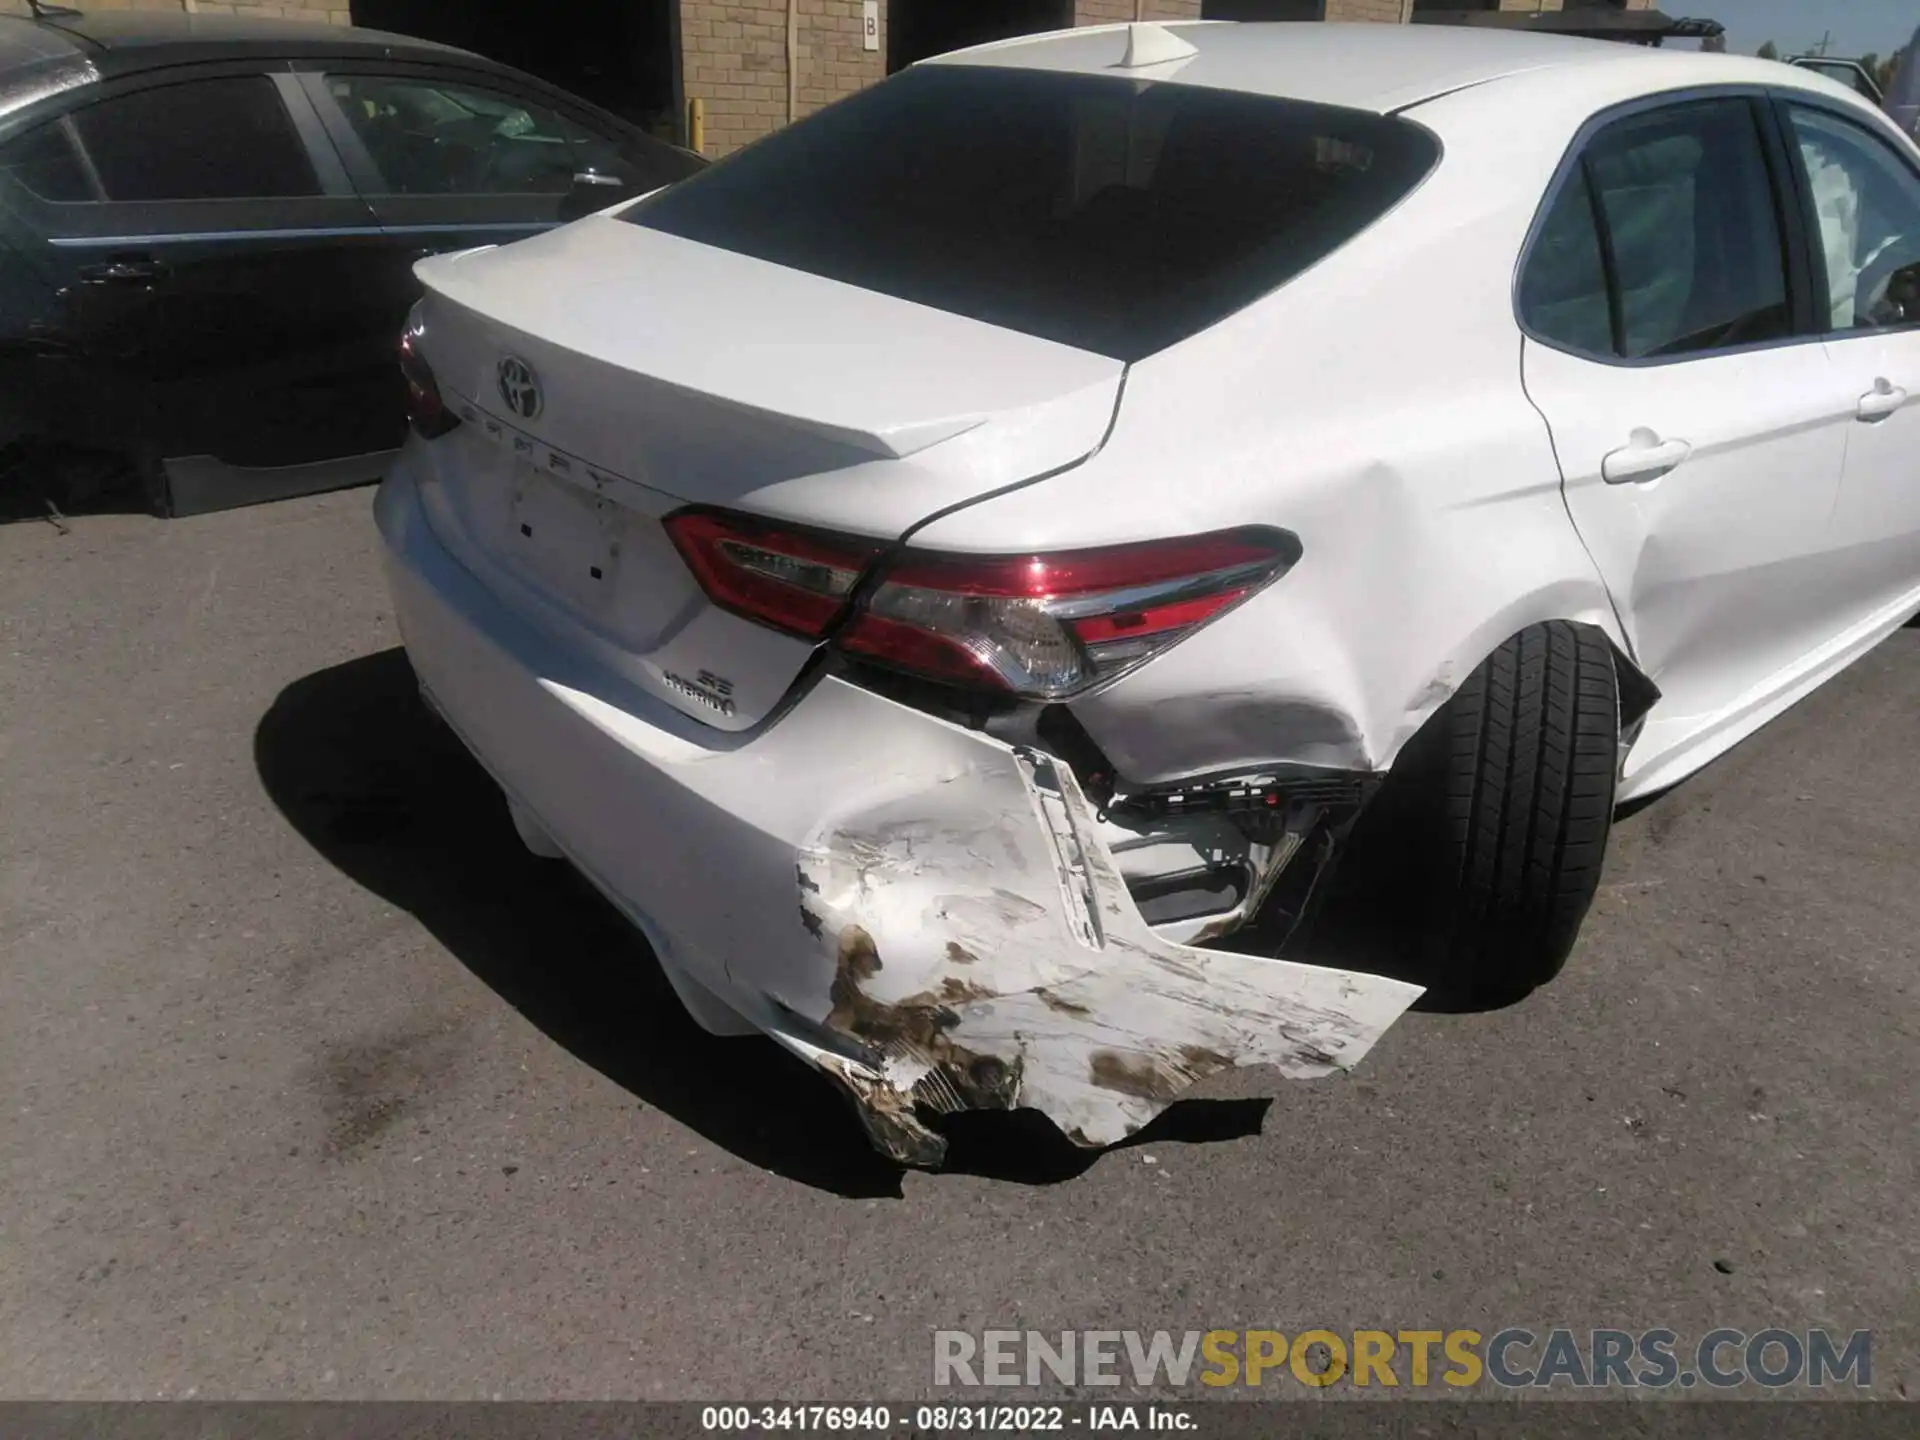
23	43
131	33
1370	67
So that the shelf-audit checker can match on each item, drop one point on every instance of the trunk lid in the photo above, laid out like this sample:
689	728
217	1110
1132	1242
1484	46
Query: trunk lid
607	374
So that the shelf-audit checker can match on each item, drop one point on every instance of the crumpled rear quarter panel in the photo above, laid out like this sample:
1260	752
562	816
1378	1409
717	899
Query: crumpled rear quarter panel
1373	407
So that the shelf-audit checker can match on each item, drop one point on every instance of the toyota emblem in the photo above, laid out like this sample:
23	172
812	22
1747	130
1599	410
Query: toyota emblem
519	387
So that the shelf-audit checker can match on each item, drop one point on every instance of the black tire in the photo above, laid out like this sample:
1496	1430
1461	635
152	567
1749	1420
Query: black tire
1494	820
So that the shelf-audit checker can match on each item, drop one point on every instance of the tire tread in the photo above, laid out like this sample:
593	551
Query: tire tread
1530	768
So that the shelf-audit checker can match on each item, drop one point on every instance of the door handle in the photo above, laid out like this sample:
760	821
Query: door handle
1644	457
125	270
1881	401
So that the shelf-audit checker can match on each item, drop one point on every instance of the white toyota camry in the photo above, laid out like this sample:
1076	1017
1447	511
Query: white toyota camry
954	572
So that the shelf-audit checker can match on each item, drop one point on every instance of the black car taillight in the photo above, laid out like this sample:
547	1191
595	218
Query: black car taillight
426	411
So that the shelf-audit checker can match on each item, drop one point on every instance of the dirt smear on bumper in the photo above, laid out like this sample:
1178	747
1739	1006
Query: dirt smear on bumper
987	956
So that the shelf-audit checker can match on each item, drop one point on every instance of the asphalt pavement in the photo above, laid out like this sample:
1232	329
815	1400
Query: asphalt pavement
315	1084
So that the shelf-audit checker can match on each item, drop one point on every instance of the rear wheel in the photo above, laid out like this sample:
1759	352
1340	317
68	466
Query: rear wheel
1494	821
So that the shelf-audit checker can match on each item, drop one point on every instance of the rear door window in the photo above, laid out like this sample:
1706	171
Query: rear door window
46	164
225	138
1563	291
429	137
1679	211
1092	210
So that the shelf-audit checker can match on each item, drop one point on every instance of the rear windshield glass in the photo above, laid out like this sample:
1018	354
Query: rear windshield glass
1110	214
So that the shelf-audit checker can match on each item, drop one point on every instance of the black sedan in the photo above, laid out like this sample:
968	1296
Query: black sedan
208	229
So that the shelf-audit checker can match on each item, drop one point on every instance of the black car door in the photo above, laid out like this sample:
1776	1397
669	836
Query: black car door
35	162
208	253
450	158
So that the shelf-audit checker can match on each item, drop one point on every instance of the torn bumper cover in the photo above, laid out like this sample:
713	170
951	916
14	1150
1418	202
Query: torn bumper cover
987	955
923	912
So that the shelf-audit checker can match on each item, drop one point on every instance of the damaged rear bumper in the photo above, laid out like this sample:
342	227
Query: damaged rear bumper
925	913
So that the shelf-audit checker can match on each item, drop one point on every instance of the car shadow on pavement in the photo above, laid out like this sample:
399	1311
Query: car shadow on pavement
1365	921
374	782
55	488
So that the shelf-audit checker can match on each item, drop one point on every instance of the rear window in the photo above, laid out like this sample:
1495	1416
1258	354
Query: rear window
1106	213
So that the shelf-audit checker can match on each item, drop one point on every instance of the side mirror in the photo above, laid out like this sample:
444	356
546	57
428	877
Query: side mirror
593	191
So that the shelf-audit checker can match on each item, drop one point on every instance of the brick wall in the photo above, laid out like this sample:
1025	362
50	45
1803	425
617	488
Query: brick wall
832	64
1389	12
333	10
1109	12
733	57
734	60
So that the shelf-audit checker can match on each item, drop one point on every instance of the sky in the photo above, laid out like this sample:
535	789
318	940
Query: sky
1858	26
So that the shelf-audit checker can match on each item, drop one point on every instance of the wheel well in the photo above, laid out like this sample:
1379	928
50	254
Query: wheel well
1638	694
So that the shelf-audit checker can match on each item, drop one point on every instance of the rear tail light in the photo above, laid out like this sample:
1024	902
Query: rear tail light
1047	626
1035	626
425	409
793	580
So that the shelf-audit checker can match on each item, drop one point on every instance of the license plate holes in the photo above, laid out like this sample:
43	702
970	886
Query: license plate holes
566	540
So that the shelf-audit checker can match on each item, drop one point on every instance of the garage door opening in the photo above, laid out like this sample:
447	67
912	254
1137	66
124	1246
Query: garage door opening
1251	12
620	54
917	29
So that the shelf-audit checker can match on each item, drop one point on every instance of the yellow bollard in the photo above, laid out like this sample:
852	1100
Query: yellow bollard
697	125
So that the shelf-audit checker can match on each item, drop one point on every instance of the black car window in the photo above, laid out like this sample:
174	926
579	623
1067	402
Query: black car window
429	137
1098	211
222	139
1563	290
593	152
44	163
1690	217
1866	202
640	160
